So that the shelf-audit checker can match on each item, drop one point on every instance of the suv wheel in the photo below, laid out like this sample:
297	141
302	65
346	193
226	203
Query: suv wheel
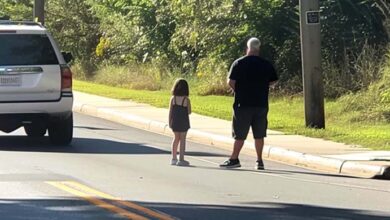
61	131
35	129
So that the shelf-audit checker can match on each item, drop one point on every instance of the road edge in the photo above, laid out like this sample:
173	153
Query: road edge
314	162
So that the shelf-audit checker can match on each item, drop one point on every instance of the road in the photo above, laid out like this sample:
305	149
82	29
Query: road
113	171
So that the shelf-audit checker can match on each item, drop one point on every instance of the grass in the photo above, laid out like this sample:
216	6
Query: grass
286	114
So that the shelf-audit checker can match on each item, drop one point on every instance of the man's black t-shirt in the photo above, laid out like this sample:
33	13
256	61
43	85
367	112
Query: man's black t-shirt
252	75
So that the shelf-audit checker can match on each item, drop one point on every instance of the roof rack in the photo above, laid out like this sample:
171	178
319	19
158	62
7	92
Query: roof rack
30	23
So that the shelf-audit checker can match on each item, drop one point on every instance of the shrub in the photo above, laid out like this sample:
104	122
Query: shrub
373	102
211	77
357	73
78	72
129	76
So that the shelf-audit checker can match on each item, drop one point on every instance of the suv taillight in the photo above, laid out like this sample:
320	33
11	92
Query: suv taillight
66	77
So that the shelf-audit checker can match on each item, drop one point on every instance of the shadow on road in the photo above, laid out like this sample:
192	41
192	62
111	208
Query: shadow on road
79	145
264	210
48	209
74	209
95	128
85	146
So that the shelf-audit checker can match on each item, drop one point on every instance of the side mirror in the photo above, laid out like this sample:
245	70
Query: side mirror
67	56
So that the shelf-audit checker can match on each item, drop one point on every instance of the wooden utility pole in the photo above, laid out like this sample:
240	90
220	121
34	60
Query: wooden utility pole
311	63
39	11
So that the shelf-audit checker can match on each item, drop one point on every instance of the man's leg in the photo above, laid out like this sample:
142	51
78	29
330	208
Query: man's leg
237	148
241	124
259	145
259	127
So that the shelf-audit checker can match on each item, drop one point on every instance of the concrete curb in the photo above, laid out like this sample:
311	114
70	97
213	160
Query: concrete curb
321	163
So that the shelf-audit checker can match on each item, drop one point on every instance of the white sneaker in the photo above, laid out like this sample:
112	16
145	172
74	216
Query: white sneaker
183	163
173	161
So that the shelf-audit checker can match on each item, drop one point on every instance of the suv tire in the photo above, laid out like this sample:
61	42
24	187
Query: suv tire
35	130
61	131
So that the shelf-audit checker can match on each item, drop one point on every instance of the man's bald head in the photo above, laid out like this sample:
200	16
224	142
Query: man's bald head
253	46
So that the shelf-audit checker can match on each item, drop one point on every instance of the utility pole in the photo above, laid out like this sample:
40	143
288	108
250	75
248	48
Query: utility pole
39	11
313	88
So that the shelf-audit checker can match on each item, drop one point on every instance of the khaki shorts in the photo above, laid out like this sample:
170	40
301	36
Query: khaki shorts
246	117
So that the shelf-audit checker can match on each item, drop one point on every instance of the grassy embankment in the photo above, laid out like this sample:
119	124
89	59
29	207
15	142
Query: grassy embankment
286	114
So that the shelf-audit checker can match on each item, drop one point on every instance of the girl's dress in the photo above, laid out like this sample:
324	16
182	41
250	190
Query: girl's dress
180	118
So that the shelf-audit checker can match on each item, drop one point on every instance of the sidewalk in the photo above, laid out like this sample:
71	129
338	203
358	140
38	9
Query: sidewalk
311	153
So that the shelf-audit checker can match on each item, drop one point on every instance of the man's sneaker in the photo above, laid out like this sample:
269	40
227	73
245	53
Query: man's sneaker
173	161
259	165
183	163
231	163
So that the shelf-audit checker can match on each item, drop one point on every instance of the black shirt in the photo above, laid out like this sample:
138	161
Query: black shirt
253	75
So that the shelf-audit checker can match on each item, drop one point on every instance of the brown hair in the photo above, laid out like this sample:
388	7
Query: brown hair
180	88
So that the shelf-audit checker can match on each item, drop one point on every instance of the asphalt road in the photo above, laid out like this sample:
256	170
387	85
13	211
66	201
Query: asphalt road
116	172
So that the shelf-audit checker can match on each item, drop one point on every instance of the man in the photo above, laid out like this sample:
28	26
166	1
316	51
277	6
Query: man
250	78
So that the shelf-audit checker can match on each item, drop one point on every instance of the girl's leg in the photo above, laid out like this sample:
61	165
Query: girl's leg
182	136
175	144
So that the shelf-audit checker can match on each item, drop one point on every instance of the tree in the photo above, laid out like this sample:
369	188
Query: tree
16	9
77	30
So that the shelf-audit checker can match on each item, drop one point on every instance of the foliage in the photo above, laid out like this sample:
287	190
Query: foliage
211	78
143	77
192	36
136	30
349	25
16	9
372	103
367	70
75	30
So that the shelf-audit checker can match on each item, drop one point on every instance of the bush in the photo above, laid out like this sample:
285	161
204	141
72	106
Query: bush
78	72
357	73
130	76
372	103
211	77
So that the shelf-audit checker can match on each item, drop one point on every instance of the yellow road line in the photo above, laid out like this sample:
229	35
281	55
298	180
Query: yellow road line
83	188
97	202
144	210
117	200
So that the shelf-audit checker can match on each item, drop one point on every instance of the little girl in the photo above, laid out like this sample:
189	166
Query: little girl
179	122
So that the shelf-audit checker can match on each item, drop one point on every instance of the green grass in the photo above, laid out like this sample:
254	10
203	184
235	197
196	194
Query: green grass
286	114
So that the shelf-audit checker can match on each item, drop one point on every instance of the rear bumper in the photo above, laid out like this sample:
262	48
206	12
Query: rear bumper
52	108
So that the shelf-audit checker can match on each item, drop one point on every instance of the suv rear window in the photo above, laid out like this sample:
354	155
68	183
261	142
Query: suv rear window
29	49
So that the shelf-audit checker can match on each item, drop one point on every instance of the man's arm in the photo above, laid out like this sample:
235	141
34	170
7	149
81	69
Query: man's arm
272	84
233	76
232	84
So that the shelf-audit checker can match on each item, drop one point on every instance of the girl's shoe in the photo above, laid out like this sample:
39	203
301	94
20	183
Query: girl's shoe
183	163
173	161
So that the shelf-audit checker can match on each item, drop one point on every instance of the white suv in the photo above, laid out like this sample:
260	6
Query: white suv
35	83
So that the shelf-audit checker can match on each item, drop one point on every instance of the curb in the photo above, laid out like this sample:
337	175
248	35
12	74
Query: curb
320	163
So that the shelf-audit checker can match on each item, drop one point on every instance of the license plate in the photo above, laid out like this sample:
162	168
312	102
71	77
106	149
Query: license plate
10	80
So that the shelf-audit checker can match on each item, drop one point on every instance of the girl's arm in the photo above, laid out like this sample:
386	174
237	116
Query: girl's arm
170	112
189	106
